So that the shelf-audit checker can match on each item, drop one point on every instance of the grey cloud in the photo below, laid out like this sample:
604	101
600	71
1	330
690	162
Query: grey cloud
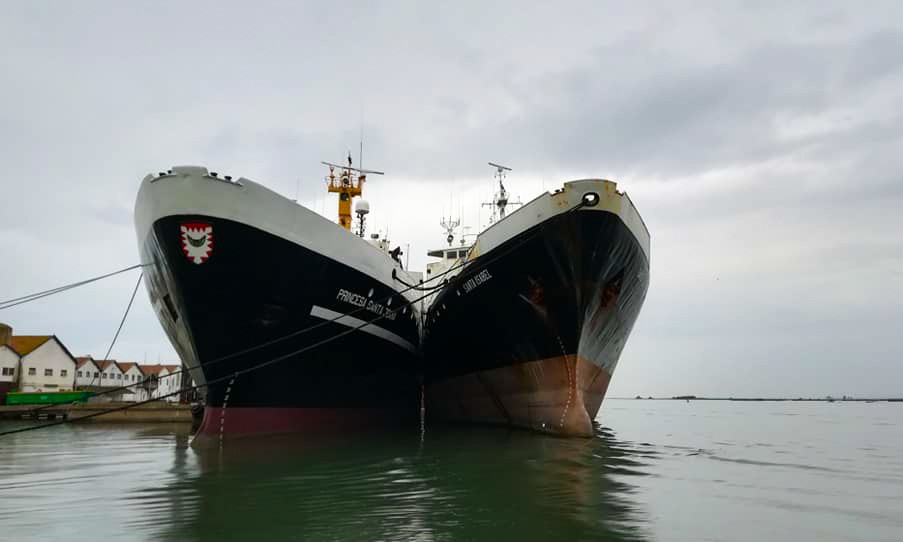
695	119
760	143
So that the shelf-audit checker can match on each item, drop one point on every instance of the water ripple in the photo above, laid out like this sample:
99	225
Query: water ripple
646	470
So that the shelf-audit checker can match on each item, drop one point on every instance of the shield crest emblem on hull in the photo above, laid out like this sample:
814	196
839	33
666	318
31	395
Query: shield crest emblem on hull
197	241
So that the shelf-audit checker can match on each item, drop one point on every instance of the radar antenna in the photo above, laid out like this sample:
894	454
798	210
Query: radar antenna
347	187
361	209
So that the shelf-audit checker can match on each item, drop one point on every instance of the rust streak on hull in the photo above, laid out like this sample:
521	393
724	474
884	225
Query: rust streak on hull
559	395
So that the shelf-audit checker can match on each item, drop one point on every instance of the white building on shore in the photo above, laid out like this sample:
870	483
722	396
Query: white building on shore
166	381
9	363
41	363
172	383
110	373
87	373
44	363
133	377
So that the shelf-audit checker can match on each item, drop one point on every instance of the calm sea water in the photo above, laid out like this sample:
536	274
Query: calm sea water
656	470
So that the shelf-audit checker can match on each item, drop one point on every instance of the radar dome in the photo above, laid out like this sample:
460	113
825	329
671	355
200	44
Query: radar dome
362	207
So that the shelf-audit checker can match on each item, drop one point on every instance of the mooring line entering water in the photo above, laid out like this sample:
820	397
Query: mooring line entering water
186	368
37	410
208	383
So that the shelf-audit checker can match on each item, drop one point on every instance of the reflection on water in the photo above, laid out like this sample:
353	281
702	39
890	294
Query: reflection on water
665	470
454	484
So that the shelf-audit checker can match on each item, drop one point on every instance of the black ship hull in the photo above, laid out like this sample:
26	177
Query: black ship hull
235	306
531	338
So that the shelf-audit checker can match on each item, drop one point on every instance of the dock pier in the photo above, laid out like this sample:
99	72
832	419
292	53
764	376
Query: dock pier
156	412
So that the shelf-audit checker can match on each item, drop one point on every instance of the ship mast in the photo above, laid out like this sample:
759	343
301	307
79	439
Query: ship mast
347	187
500	199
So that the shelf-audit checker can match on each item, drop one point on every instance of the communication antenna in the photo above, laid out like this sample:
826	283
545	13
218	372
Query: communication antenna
360	155
500	199
449	226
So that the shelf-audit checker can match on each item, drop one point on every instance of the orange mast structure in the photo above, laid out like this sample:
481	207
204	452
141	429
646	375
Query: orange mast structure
347	187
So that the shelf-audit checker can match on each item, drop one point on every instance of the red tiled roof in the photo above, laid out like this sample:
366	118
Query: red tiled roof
104	363
126	365
82	361
25	344
152	369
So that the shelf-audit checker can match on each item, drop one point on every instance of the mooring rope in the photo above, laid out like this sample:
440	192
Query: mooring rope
209	383
122	322
261	345
39	295
490	256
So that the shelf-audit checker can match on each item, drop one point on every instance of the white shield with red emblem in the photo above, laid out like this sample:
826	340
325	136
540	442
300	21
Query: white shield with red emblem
197	241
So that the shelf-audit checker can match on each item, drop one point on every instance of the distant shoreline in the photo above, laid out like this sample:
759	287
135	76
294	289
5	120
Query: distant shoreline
769	399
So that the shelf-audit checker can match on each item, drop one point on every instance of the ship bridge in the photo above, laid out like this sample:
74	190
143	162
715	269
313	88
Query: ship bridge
450	253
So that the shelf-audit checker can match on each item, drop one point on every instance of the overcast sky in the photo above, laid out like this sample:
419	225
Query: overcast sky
763	146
